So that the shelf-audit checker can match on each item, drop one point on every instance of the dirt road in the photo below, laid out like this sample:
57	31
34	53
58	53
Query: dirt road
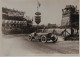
19	45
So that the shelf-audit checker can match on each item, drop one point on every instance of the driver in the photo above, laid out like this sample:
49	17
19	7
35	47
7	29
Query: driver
49	35
35	33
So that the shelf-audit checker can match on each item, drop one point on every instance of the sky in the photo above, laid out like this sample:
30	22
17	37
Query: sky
51	10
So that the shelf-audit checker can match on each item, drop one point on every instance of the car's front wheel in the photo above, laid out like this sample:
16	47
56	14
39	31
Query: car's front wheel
29	37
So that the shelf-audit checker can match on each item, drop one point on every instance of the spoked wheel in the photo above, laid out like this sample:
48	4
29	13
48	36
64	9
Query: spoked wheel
43	39
29	37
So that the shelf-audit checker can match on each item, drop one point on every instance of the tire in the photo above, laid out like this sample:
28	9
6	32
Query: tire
43	39
29	37
55	39
32	38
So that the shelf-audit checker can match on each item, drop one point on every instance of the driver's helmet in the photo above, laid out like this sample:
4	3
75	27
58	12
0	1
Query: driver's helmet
35	33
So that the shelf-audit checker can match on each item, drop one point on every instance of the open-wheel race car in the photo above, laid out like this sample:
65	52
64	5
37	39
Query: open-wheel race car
43	37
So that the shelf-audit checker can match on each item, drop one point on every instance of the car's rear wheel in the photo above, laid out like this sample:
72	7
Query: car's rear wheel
54	39
43	39
32	38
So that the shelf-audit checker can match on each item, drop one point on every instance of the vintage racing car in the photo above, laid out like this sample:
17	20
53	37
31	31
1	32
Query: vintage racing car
43	37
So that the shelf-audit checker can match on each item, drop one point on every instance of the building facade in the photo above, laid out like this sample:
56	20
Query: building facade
13	21
70	19
70	16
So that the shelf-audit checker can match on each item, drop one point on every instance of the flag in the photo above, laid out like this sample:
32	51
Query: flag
38	3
